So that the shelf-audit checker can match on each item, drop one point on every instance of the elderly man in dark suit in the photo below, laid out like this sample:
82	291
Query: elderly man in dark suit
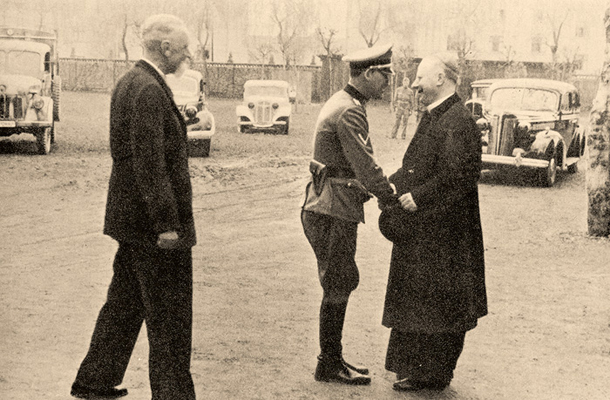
149	213
436	288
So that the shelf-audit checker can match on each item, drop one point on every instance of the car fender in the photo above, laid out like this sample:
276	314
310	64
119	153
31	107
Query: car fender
200	126
242	110
543	140
43	115
283	111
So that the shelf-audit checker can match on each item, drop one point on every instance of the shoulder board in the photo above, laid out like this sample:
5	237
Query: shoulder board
356	102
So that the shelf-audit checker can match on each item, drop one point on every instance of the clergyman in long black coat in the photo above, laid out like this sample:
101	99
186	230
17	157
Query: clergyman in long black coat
436	287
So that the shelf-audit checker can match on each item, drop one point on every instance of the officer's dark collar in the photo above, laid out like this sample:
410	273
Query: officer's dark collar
352	91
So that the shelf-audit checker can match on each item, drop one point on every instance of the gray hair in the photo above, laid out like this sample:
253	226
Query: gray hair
158	28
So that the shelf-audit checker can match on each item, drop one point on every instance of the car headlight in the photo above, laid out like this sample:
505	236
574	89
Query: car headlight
524	126
275	106
250	105
190	112
483	125
37	102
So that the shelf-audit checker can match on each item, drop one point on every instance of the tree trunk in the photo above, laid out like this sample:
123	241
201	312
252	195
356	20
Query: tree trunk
598	152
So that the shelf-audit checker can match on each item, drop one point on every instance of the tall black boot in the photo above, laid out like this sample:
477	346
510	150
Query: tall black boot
331	366
332	317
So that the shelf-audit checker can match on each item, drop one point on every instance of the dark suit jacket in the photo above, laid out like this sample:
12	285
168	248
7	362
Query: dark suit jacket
437	279
150	187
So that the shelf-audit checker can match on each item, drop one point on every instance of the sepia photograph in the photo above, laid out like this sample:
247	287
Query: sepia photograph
305	199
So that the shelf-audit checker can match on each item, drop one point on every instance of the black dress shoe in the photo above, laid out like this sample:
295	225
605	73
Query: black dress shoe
358	368
336	371
410	385
83	392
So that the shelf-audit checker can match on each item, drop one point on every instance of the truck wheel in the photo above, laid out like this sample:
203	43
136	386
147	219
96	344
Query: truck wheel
55	95
286	127
43	141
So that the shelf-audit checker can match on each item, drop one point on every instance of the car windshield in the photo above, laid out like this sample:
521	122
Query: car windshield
185	85
21	63
480	92
525	99
266	91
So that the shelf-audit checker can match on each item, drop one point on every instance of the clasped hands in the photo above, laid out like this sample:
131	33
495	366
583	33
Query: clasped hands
406	201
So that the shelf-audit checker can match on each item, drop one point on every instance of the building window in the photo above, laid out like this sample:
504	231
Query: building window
536	45
496	43
456	41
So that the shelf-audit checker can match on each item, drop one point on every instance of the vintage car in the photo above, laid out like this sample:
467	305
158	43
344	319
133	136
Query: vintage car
266	107
476	103
189	96
533	124
30	85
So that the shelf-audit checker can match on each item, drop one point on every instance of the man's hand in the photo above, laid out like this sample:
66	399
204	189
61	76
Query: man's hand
406	201
168	240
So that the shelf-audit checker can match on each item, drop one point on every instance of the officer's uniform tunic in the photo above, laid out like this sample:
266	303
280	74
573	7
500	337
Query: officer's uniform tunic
330	218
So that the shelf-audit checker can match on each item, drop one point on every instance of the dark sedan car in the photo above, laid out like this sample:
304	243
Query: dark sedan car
533	124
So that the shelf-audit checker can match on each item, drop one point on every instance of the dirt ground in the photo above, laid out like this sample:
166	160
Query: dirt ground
256	296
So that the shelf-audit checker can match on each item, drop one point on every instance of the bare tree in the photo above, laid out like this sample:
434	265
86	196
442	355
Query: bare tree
598	150
262	54
292	18
369	21
130	29
326	36
556	25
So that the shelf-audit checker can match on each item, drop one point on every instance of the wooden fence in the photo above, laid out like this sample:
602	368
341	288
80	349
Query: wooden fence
312	83
223	79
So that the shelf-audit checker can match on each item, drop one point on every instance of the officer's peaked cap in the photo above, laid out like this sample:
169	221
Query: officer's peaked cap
380	55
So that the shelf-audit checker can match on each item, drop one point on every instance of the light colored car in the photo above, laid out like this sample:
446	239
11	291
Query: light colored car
266	107
30	85
533	124
190	99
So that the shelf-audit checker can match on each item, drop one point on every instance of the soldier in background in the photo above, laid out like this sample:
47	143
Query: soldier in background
420	109
403	104
344	172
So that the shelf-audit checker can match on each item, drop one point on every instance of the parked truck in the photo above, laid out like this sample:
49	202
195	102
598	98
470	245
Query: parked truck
30	85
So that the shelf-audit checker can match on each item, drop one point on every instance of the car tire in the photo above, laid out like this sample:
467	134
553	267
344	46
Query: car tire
43	141
200	147
548	175
286	127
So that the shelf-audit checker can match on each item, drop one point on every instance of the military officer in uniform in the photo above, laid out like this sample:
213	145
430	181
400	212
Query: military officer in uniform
344	175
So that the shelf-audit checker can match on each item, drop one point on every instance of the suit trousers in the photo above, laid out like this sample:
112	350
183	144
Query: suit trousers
149	285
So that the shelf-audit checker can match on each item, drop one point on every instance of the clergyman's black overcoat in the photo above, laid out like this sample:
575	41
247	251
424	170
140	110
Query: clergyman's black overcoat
437	279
